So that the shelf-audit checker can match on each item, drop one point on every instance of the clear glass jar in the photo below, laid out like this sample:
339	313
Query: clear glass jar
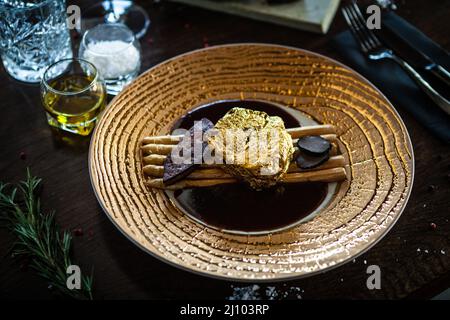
115	52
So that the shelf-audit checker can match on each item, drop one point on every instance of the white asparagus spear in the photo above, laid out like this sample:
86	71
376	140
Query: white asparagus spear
294	132
207	172
326	175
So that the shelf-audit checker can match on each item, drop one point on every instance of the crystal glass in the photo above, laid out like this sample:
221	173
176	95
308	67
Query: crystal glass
73	95
33	35
116	53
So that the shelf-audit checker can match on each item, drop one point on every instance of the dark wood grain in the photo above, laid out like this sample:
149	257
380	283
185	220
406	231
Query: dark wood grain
414	258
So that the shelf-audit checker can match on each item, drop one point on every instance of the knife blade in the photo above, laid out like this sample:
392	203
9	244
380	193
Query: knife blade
412	55
391	34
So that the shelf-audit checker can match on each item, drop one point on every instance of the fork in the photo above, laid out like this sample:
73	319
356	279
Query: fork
372	47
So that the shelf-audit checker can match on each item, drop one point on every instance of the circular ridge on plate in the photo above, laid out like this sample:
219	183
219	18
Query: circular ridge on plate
371	134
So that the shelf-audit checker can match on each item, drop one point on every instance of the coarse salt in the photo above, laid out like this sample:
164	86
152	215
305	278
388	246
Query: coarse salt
113	59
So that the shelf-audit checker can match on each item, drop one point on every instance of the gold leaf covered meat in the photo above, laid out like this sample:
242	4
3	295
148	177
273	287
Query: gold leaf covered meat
255	146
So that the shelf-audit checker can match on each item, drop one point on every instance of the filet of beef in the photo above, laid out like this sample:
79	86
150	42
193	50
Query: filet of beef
255	146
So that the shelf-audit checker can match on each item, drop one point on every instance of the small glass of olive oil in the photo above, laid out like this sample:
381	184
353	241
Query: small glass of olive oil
73	95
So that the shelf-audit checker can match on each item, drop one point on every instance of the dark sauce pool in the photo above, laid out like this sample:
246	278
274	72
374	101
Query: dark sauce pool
237	207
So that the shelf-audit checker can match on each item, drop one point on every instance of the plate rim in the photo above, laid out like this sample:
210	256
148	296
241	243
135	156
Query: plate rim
280	276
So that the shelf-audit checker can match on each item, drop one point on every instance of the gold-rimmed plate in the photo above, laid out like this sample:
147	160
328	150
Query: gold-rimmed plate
362	210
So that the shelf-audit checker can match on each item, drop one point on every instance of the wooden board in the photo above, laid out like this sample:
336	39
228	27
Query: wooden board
310	15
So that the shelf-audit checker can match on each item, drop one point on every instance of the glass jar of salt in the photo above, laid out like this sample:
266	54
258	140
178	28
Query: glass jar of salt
113	49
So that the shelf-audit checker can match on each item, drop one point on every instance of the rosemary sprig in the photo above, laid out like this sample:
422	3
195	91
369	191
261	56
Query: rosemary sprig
38	236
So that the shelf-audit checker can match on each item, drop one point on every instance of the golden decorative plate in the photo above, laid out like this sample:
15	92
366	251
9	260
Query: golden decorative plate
363	209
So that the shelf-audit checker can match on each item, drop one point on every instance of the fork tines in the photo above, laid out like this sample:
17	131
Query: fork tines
357	23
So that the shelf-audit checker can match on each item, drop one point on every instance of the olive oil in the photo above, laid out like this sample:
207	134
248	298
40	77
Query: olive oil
74	102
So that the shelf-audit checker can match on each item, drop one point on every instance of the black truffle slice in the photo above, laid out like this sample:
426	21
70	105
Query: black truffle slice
307	161
314	145
174	172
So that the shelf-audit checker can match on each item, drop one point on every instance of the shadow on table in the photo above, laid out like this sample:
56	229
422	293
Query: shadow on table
151	278
63	139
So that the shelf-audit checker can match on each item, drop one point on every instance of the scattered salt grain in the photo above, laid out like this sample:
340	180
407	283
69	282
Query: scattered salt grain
270	293
245	293
291	293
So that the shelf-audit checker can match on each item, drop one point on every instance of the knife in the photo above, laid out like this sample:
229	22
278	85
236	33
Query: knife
393	25
413	55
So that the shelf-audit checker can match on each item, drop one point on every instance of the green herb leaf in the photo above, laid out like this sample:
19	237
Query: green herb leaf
38	236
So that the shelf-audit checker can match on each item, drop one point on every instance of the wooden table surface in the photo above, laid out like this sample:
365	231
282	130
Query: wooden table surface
414	258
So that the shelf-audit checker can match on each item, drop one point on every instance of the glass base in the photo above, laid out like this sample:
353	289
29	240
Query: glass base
113	87
82	128
31	75
116	11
